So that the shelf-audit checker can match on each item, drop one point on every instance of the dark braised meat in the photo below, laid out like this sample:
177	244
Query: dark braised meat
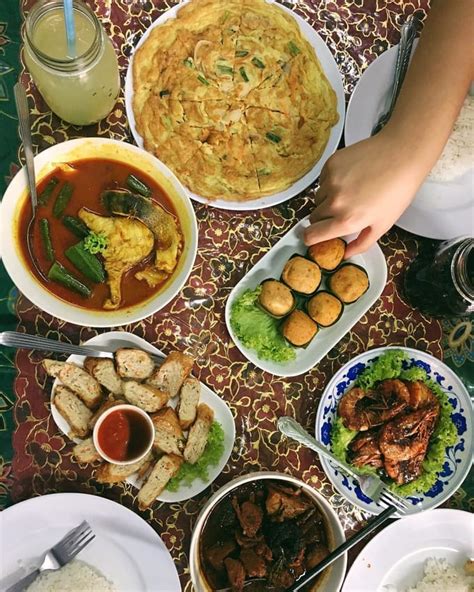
255	566
250	517
282	506
235	573
315	555
274	529
364	450
217	553
404	442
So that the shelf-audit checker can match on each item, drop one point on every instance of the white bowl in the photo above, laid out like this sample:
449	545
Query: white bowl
100	421
332	577
72	151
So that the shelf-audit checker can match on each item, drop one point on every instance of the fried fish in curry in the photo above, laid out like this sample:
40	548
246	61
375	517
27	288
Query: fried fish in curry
232	97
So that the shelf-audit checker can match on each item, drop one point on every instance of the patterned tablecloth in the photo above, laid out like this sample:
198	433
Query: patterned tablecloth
39	461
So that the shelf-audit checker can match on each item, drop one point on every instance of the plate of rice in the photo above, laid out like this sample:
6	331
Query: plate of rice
427	552
442	208
126	554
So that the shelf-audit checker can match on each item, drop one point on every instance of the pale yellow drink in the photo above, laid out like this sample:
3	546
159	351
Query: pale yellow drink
81	89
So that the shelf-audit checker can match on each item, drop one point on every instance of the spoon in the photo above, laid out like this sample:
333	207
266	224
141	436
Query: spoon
25	132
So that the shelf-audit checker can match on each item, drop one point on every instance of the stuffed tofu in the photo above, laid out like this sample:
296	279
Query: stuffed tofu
328	254
299	329
349	283
276	298
324	308
301	275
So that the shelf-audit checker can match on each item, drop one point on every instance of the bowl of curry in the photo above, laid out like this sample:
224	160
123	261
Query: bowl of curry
114	235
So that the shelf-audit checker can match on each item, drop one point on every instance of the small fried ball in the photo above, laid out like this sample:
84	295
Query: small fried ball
299	329
349	283
324	308
301	275
276	298
328	254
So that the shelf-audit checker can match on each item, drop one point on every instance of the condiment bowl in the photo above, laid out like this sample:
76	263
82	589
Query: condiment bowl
332	577
103	422
69	152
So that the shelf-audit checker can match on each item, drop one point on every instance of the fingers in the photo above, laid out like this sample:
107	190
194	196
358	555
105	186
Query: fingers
365	240
324	230
322	211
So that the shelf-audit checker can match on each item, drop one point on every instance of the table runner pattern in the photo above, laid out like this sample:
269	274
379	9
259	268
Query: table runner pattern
230	243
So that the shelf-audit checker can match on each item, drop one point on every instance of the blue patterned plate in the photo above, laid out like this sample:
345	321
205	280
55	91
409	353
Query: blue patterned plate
458	457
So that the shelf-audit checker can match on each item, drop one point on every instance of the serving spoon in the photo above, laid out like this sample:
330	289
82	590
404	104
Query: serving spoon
22	110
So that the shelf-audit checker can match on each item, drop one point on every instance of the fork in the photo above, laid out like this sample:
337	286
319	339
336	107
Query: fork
63	552
26	341
371	485
407	37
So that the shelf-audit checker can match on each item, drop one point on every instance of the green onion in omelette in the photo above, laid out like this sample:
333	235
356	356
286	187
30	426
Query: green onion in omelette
188	62
243	73
203	80
258	63
225	69
164	93
294	49
263	172
275	138
241	53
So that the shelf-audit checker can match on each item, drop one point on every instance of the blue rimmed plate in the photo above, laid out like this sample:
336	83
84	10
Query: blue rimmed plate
458	457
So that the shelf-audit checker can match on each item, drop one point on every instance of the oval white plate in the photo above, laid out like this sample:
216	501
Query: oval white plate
271	266
458	457
333	75
222	414
396	556
439	210
125	549
79	149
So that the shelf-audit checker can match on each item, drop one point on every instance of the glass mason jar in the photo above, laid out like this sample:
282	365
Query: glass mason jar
440	281
80	89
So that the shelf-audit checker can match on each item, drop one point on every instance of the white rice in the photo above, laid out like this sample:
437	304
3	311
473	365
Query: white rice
439	576
458	154
76	576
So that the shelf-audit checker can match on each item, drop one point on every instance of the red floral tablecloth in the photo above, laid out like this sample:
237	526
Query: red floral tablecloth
356	31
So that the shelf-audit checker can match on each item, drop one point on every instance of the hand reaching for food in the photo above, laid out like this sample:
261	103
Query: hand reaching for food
359	193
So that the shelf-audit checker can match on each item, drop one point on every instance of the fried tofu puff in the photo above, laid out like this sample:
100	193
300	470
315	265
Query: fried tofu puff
325	309
276	298
299	329
328	254
301	275
349	283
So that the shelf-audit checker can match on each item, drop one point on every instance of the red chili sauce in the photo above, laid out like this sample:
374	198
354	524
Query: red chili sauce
124	435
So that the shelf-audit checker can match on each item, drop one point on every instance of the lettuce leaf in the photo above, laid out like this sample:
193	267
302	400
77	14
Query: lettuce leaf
258	330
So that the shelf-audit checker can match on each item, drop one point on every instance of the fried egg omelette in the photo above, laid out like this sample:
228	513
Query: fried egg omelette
232	98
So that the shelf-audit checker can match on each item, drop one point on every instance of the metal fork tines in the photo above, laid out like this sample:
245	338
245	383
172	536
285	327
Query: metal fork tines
62	553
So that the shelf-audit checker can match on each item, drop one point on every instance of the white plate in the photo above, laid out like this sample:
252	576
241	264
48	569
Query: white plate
458	457
126	549
397	555
222	414
439	210
331	70
271	266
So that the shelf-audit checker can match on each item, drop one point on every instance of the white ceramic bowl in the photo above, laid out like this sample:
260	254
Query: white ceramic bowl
80	149
332	576
100	421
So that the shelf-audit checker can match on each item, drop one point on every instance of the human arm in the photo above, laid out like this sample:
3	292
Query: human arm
367	186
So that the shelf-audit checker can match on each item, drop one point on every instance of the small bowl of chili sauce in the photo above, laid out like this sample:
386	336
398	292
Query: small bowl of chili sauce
124	434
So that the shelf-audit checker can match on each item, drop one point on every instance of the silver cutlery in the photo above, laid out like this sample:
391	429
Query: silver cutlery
26	341
371	485
59	555
407	37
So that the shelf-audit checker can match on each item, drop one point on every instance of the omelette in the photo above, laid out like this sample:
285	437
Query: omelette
232	98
